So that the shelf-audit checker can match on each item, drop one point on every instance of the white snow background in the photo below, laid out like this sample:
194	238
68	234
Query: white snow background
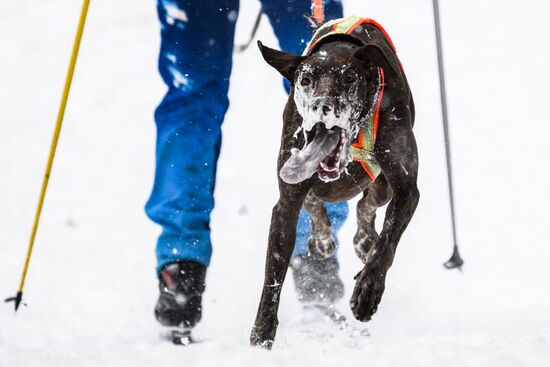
91	287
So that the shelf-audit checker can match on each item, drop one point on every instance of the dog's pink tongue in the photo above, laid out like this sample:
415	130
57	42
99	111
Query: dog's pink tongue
303	164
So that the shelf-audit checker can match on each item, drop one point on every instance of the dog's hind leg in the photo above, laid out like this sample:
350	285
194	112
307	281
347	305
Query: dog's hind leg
321	243
375	196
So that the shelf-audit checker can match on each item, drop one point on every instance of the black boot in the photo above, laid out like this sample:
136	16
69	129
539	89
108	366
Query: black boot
317	281
181	285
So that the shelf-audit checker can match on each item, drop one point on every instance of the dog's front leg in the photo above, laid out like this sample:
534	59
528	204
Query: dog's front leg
282	235
399	162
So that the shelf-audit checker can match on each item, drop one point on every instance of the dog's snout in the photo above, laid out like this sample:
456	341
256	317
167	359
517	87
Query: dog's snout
323	105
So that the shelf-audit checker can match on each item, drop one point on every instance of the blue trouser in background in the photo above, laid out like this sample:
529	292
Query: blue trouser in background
195	63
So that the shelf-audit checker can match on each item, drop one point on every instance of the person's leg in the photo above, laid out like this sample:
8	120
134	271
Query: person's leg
195	63
289	23
317	281
294	32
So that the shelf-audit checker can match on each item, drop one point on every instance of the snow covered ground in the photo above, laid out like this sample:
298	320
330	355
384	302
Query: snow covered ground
91	287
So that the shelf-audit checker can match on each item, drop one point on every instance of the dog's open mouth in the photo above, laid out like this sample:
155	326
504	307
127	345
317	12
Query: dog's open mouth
325	152
329	168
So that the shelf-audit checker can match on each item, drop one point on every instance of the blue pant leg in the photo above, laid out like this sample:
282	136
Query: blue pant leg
195	63
289	24
337	212
293	31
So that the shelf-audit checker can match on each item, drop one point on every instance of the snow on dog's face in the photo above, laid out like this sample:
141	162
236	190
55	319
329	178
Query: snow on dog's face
329	89
330	93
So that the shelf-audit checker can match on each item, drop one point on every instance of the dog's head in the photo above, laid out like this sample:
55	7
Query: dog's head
333	90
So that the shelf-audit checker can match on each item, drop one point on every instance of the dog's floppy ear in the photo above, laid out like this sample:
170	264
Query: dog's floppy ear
285	63
373	55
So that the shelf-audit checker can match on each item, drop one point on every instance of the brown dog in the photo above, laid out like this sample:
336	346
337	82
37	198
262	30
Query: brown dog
351	101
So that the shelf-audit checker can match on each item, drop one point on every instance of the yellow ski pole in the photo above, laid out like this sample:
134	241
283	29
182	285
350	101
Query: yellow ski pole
55	139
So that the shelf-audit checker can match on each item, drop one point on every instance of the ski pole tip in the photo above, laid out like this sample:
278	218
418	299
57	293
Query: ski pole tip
455	262
16	300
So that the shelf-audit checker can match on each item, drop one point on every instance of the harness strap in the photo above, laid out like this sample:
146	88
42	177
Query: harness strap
363	150
343	26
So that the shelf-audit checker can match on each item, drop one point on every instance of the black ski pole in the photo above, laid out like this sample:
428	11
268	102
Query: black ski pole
455	261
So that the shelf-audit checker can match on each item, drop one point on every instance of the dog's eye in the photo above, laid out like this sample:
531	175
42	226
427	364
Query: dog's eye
350	79
305	81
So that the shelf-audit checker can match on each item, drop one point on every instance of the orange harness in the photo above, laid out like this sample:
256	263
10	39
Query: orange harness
363	150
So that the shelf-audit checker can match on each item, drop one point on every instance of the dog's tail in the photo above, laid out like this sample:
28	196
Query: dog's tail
317	16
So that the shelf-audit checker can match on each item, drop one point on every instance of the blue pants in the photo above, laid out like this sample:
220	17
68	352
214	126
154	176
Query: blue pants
195	63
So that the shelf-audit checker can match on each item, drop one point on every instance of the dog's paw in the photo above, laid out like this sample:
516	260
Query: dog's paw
321	248
363	243
369	287
259	341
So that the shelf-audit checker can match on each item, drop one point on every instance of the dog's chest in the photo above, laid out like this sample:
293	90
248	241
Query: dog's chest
347	187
